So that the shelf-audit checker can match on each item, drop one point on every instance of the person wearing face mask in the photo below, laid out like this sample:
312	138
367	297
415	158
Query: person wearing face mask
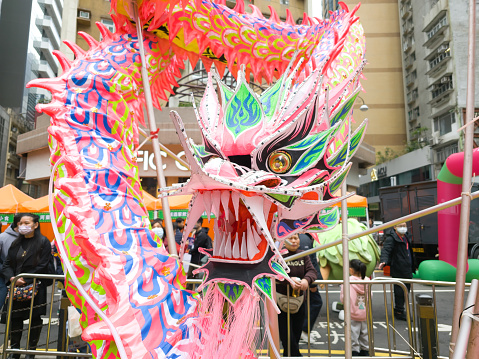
158	229
397	253
29	253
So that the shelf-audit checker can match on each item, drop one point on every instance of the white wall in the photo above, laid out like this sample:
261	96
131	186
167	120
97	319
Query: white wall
38	165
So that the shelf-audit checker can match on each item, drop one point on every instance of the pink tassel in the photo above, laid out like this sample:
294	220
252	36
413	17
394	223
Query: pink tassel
228	331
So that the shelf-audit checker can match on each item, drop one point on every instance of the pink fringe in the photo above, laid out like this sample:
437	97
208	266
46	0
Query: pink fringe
231	331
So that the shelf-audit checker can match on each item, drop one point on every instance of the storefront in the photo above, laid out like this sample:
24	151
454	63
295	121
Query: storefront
409	168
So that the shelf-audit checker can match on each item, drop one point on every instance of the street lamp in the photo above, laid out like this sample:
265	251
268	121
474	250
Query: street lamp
363	107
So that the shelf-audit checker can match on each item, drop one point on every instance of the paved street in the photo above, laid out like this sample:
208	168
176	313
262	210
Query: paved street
445	301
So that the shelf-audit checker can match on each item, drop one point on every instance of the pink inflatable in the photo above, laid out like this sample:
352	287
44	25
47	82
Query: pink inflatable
449	186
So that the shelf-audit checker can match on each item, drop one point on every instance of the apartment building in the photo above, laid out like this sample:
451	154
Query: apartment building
434	34
434	37
30	32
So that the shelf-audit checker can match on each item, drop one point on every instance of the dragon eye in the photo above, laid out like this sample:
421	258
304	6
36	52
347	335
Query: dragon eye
279	162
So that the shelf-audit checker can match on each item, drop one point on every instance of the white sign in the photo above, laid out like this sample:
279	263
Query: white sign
148	160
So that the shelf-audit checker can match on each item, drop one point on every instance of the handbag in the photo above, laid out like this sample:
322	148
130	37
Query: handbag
22	294
294	303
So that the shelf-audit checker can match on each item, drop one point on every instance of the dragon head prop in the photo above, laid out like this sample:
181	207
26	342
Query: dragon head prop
268	168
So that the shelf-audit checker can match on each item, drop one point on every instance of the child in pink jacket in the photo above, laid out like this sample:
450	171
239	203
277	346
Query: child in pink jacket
359	328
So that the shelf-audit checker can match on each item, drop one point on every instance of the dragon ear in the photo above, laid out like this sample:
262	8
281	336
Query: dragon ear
209	109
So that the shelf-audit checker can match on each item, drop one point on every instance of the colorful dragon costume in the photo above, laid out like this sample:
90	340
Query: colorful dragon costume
268	167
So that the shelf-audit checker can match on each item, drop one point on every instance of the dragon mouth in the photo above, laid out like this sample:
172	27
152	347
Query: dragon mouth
238	237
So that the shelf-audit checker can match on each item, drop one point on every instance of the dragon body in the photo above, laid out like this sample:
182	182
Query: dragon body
268	167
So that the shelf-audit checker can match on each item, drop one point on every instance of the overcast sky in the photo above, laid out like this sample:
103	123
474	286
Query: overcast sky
316	8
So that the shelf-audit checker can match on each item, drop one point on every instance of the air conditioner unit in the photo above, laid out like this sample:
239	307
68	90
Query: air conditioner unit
442	48
84	14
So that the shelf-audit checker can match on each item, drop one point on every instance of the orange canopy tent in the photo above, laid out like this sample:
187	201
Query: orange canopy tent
10	199
176	202
357	205
355	201
35	205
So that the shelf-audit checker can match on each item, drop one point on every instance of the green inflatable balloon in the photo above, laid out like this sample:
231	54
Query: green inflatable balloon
442	271
364	248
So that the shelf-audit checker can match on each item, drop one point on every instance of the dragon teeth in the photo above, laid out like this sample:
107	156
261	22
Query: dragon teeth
225	199
252	247
207	201
235	197
216	200
256	236
221	252
217	243
236	249
244	251
266	208
228	246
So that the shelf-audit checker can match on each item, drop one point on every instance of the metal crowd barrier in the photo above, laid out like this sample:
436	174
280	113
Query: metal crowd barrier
376	350
392	347
43	348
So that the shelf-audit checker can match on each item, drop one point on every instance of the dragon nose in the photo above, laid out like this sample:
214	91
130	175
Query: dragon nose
270	182
261	178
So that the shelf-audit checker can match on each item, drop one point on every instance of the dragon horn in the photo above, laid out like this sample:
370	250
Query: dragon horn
289	18
239	7
89	39
274	15
77	50
63	60
105	33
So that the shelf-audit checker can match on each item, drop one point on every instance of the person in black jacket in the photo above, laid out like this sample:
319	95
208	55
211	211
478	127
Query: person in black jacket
202	240
397	253
315	300
303	273
29	253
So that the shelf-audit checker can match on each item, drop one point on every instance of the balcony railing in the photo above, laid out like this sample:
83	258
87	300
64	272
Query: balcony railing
412	116
439	90
438	59
406	10
411	96
410	79
438	29
407	45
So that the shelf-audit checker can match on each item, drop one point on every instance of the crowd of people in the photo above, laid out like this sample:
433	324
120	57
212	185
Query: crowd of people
23	249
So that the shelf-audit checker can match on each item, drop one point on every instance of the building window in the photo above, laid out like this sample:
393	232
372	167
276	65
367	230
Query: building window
284	2
440	24
110	25
443	123
411	78
444	52
413	114
445	152
408	43
442	86
412	96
